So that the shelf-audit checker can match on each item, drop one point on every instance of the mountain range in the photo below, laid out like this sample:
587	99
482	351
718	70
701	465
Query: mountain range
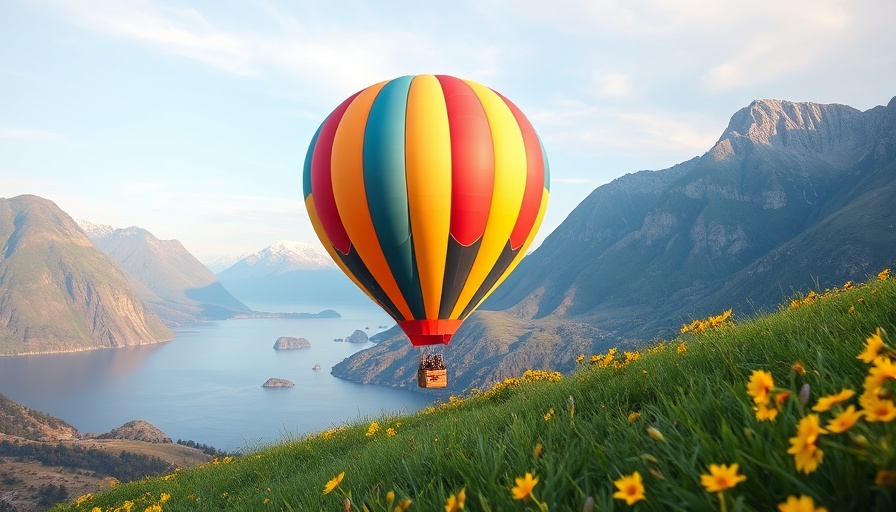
291	272
166	277
60	293
792	197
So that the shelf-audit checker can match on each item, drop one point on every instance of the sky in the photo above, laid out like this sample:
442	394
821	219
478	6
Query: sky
191	119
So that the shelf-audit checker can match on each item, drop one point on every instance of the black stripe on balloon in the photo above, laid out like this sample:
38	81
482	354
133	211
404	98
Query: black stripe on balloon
458	263
504	261
354	263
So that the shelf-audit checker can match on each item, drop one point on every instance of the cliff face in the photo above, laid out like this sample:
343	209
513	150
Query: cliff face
58	292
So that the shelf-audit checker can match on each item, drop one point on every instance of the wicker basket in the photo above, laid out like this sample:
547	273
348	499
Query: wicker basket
432	378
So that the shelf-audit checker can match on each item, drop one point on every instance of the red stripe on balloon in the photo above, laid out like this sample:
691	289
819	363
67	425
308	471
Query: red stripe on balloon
322	184
472	161
534	179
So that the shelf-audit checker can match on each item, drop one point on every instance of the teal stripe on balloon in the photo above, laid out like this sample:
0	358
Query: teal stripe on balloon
386	186
306	174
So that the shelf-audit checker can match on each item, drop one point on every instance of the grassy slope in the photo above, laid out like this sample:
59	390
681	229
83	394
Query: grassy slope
696	398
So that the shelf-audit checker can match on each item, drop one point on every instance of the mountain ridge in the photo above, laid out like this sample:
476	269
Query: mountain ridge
168	279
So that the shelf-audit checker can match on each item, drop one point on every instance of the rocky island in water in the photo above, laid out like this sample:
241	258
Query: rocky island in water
274	382
291	343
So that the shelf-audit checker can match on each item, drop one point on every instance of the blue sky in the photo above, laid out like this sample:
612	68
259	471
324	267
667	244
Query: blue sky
191	119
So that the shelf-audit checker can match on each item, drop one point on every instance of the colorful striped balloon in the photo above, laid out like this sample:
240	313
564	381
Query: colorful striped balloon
426	190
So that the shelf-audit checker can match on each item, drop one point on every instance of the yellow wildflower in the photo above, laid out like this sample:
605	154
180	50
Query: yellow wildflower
403	505
851	310
759	386
153	508
372	429
655	434
807	455
631	488
390	497
580	358
882	370
455	504
334	483
524	486
884	274
633	417
873	345
876	408
721	477
764	412
164	497
799	368
801	504
682	348
537	451
391	432
84	498
826	402
845	420
549	414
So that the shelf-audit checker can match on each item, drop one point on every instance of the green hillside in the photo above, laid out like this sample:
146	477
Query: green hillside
671	413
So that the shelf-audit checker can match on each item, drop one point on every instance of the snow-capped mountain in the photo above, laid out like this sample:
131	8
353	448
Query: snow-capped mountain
290	271
288	255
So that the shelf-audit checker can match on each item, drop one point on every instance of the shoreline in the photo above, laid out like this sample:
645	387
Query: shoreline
83	349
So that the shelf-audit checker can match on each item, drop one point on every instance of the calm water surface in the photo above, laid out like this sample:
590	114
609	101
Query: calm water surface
206	384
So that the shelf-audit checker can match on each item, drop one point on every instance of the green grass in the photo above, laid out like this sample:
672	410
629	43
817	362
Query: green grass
696	398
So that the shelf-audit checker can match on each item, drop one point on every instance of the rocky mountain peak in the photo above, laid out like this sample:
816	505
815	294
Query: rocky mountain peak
831	132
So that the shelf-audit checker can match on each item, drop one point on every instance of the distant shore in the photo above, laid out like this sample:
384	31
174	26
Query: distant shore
327	313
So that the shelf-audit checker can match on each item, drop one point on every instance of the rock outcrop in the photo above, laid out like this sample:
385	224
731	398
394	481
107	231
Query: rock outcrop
274	382
137	430
291	343
358	336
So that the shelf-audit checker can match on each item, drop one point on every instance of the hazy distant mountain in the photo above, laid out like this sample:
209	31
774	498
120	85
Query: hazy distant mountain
58	292
793	196
223	262
288	271
165	275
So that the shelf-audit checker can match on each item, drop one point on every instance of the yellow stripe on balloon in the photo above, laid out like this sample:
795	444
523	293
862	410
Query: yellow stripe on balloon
507	197
522	253
347	173
428	174
322	234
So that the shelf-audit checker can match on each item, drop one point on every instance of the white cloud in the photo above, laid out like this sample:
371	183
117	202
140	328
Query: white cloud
324	53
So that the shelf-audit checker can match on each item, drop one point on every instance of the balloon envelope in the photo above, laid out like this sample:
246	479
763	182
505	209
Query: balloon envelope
426	190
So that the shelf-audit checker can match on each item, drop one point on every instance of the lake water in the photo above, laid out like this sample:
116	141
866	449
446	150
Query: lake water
205	385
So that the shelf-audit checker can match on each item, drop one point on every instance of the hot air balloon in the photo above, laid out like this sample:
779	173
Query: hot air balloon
426	191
